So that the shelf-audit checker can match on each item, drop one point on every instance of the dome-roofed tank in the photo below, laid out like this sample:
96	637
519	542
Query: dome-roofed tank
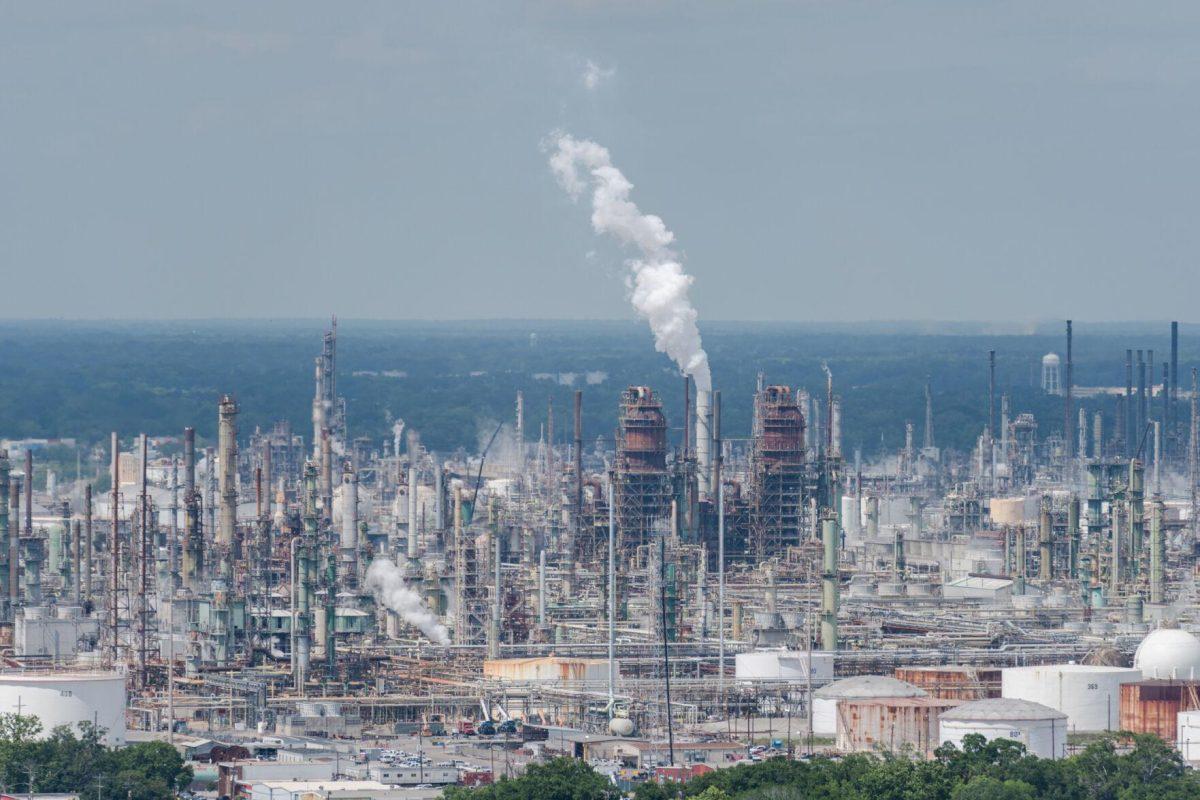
1042	729
859	687
1169	653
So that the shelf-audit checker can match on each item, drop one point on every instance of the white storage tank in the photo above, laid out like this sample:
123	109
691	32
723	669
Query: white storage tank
783	665
1169	653
1089	695
1187	737
1042	729
68	698
860	687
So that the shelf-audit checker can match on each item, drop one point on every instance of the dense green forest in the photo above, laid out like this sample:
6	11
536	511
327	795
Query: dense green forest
452	381
77	761
997	770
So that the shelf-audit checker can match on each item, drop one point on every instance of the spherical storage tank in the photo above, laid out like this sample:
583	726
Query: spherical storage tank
1089	695
1040	728
68	698
1169	653
860	687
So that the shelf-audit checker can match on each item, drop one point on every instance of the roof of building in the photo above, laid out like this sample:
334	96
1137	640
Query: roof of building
1002	708
862	686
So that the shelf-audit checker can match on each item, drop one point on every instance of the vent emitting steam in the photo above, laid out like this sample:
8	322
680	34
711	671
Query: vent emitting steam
657	283
386	580
658	286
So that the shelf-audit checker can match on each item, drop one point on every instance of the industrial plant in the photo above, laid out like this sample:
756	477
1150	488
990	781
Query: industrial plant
287	606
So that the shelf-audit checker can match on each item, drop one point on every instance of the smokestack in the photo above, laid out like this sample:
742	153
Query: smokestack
577	528
1157	550
1173	395
114	546
412	513
1045	565
520	436
227	480
1140	419
703	440
349	541
929	414
29	493
1067	442
5	531
88	545
716	431
1130	415
991	428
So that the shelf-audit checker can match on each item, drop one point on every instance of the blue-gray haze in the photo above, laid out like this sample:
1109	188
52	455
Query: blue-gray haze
817	160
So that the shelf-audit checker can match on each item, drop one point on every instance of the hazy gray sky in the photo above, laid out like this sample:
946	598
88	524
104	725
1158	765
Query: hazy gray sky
816	160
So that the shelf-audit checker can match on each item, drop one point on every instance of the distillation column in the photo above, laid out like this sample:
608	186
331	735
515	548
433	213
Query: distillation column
829	583
227	520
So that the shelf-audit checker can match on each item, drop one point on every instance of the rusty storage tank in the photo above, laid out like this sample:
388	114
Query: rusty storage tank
1153	706
891	724
953	682
642	435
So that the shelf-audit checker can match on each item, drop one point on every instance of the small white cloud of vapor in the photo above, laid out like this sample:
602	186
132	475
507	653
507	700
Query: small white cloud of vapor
595	75
386	580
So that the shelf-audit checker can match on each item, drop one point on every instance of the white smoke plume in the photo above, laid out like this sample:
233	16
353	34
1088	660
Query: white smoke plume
657	284
386	580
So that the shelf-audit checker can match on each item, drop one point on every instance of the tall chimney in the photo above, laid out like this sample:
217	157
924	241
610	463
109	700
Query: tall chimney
29	493
1067	439
703	440
227	483
5	531
349	541
991	428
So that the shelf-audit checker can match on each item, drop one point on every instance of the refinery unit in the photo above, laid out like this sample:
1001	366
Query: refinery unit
667	591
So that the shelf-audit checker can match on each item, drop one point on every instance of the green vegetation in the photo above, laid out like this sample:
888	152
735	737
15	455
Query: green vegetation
68	762
997	770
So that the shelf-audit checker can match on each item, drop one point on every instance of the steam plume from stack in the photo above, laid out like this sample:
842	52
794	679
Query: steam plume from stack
657	283
386	580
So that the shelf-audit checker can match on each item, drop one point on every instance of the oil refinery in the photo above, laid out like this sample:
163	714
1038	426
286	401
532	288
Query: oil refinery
667	596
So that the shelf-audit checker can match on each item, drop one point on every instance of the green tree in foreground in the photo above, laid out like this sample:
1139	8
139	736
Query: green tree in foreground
78	761
981	770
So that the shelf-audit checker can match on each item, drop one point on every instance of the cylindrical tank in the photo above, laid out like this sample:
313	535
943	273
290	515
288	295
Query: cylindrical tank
1089	695
890	724
1041	729
68	698
782	665
859	687
1187	735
